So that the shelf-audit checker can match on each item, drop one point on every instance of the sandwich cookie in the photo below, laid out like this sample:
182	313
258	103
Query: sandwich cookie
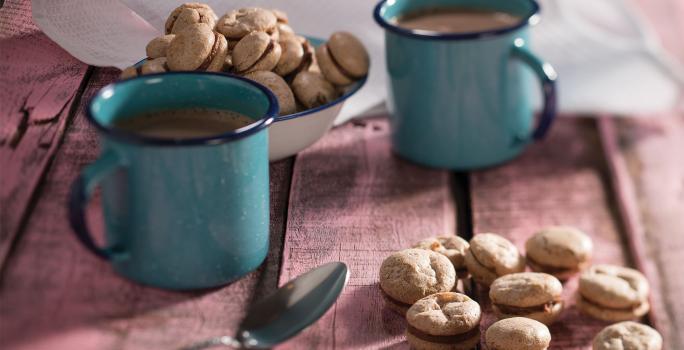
343	59
527	294
188	14
412	274
278	86
517	333
628	335
312	90
197	47
129	72
453	247
561	251
444	321
613	293
238	23
256	51
491	256
291	56
157	47
285	31
157	65
309	63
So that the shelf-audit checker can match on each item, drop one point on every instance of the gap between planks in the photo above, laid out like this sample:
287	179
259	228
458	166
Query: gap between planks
358	209
590	190
628	206
352	212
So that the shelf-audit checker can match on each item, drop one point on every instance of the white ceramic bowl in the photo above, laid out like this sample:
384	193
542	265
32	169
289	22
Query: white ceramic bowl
289	136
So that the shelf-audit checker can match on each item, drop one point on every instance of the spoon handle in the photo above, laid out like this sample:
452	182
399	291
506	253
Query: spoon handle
214	342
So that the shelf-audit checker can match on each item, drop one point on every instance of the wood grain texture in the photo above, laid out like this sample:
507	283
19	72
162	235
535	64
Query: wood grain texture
353	201
651	150
649	167
562	180
38	82
56	295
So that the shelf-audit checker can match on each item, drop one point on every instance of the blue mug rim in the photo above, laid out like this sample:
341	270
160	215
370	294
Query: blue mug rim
529	18
263	122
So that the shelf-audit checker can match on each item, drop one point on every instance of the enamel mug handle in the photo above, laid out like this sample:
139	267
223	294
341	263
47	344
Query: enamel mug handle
547	76
81	191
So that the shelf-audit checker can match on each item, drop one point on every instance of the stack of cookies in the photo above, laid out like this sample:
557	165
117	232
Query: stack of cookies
412	274
420	283
561	251
613	293
517	333
527	294
445	320
628	335
260	45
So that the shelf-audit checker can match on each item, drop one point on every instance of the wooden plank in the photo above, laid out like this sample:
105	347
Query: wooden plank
649	164
38	82
628	208
56	295
353	201
562	180
649	171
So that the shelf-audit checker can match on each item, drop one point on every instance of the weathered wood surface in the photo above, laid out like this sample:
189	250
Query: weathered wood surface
38	82
562	180
353	201
56	295
652	186
649	159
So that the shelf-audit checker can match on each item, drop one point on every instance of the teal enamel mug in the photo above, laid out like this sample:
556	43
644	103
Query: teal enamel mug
463	100
179	213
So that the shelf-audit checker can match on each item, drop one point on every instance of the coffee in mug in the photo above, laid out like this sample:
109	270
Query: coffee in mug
456	20
184	123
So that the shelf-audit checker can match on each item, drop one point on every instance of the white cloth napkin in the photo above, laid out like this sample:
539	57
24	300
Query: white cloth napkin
606	58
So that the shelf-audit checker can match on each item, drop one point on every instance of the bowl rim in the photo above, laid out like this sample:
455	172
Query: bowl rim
355	87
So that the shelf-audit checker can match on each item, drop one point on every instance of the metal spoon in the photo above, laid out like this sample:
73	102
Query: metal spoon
289	310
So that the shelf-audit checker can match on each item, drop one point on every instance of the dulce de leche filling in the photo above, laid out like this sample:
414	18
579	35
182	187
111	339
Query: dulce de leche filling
628	308
266	52
550	269
444	339
307	61
493	271
338	66
516	310
212	54
394	301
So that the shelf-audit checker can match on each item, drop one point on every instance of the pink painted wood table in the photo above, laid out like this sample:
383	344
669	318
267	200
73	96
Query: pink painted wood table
621	180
